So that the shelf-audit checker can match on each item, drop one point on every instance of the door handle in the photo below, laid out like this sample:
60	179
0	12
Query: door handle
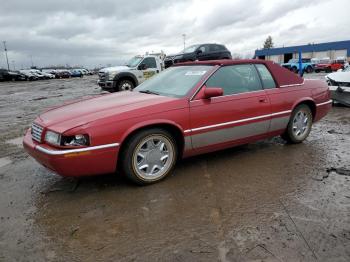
262	100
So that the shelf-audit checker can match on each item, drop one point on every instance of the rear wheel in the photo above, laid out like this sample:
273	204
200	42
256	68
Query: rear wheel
299	125
329	70
125	85
309	69
149	156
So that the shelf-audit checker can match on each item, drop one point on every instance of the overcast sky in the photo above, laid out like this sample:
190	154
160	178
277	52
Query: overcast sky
94	32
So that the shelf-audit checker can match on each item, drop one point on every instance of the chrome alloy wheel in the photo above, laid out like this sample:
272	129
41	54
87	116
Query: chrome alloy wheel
126	86
153	157
300	123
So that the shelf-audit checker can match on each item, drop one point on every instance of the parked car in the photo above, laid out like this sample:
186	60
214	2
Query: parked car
329	65
136	71
198	53
76	73
339	84
62	73
186	110
6	75
293	65
29	76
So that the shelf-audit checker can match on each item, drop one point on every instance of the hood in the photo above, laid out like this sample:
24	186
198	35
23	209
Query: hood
122	105
114	69
339	77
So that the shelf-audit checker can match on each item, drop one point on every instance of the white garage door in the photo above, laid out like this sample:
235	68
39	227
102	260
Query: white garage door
321	55
340	53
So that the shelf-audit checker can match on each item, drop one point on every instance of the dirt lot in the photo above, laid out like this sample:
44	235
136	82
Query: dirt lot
266	201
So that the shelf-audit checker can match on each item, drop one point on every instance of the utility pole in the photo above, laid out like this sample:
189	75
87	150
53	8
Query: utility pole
31	60
7	60
184	36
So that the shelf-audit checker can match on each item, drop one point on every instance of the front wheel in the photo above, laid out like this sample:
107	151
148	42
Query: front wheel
149	156
125	85
299	125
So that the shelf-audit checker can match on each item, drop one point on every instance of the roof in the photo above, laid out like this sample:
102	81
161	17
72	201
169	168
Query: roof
340	45
282	76
225	62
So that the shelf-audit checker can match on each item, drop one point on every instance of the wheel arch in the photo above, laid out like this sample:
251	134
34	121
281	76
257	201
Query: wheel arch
125	76
167	125
310	103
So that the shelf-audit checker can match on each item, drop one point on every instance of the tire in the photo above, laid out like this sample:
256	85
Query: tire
317	71
329	70
142	156
309	69
297	125
125	85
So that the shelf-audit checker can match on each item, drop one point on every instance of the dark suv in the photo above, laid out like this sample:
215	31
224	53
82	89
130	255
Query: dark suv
199	52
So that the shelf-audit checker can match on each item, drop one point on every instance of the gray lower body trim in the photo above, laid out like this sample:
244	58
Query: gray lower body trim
230	134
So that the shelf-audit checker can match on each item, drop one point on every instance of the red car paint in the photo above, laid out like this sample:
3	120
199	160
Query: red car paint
205	124
329	67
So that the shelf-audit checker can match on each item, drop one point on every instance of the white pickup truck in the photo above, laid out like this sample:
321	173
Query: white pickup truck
137	70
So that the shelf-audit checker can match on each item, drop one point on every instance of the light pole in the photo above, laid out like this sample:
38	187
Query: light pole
184	36
7	60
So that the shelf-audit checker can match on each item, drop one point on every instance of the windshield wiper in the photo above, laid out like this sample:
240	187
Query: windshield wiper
148	92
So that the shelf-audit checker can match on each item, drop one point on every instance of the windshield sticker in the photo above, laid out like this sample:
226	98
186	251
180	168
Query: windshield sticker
195	73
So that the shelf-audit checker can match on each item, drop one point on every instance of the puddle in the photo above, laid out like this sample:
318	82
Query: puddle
15	141
5	161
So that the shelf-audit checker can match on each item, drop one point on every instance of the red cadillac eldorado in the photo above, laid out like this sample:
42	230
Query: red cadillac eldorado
188	109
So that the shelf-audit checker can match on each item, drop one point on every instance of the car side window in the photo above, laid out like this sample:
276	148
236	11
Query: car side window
150	62
266	77
213	48
203	48
236	79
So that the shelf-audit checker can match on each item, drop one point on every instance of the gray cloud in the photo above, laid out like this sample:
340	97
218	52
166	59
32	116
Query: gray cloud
93	32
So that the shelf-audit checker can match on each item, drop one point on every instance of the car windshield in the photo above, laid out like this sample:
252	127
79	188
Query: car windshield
324	61
293	61
190	49
346	69
175	81
133	62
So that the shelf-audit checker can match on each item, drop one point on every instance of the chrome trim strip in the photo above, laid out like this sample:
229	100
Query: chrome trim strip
237	121
324	103
68	151
293	84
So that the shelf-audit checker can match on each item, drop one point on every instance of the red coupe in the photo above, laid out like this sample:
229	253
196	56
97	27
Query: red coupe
188	109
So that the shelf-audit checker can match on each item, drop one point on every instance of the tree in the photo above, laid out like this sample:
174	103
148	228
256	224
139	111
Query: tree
268	43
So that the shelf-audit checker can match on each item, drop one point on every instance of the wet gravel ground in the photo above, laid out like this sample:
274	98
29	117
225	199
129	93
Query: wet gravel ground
265	201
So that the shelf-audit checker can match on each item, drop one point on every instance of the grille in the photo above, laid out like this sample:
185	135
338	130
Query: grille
36	132
102	76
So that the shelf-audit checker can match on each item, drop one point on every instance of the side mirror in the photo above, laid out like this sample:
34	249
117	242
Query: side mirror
199	52
210	92
142	67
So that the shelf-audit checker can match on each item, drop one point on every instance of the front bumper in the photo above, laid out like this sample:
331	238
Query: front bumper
105	85
74	162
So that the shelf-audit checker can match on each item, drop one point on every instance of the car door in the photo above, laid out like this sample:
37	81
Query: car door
150	68
242	112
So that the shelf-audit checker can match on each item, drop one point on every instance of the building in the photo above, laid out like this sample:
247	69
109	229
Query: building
332	50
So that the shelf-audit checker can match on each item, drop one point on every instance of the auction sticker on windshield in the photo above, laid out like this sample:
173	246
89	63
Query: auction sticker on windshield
195	73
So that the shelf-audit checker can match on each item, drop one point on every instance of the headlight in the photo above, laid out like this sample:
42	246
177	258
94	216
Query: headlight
53	138
111	75
77	140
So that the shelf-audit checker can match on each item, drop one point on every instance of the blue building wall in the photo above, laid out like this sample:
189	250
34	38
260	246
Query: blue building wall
340	45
